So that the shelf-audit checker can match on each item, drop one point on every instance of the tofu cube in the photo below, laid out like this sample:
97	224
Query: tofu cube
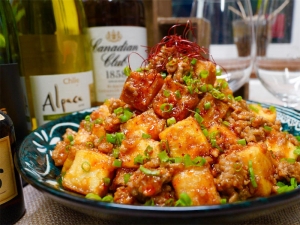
262	167
131	148
186	137
140	88
267	114
145	123
209	67
178	97
198	183
87	172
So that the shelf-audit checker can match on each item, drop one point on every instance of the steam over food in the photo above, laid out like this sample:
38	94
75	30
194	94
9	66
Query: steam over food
178	137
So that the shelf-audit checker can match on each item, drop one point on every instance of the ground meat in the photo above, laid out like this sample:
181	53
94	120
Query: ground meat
286	170
231	177
251	134
165	197
123	196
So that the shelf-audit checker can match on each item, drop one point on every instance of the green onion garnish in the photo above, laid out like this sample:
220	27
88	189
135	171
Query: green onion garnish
146	136
204	74
198	118
223	201
218	71
166	93
163	75
242	142
177	94
166	107
117	163
193	62
207	105
118	111
149	172
93	196
267	128
254	109
252	175
87	118
150	202
126	115
272	108
116	152
297	151
139	159
163	156
171	121
184	200
111	138
106	181
126	177
127	71
86	166
238	98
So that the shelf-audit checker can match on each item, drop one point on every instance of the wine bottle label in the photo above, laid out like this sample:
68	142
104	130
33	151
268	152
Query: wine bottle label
8	186
55	96
114	47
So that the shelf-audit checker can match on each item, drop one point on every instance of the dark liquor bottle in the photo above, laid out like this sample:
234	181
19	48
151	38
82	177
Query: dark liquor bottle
12	206
12	94
117	30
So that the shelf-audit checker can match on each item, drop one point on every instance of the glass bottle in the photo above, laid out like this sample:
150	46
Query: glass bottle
12	206
56	56
12	94
118	38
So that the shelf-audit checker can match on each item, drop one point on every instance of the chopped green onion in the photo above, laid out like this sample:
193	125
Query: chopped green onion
89	144
171	121
238	98
207	105
242	142
106	181
177	94
187	161
224	84
297	151
178	159
163	75
118	111
127	71
116	152
146	136
289	160
205	132
166	107
203	88
198	118
217	94
267	128
272	108
108	198
199	161
163	156
87	118
126	115
226	123
86	166
117	163
149	172
139	159
218	71
253	108
119	138
252	175
126	177
111	138
223	201
298	138
70	138
193	62
237	166
148	151
139	70
98	121
166	93
150	202
184	200
204	74
93	196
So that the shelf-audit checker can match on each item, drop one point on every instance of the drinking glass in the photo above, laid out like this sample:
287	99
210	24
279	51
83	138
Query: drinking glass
229	28
278	50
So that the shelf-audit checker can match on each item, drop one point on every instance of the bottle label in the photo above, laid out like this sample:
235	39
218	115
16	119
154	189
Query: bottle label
114	47
55	96
8	186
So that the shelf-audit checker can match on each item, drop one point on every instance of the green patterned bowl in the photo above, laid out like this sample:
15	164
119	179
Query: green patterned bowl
34	163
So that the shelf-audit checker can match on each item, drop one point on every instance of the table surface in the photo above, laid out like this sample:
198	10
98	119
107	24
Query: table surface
40	209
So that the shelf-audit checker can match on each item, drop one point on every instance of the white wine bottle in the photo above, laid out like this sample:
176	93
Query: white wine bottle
12	206
12	96
56	57
117	29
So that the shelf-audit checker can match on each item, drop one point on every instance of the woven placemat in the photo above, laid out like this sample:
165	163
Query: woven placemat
42	210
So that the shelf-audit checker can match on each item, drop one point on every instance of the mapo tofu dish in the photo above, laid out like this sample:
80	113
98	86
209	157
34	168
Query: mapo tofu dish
178	137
